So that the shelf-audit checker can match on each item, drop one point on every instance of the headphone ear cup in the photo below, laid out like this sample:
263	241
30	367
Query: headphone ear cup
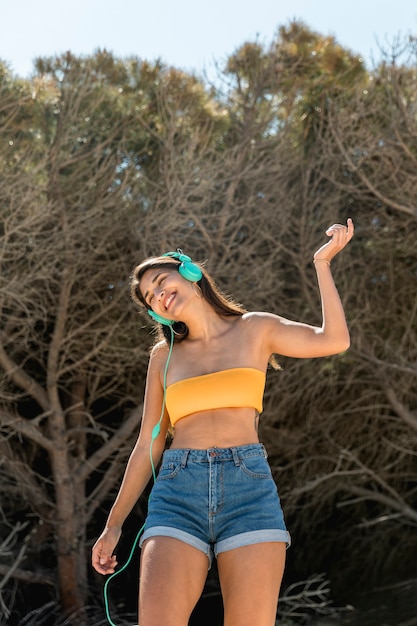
190	271
160	319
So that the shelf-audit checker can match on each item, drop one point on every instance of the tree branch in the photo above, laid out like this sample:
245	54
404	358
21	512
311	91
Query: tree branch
25	427
113	444
22	380
402	411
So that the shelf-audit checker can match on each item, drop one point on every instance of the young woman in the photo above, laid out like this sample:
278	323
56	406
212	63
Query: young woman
214	492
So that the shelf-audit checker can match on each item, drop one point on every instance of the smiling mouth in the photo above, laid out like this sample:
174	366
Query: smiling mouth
169	300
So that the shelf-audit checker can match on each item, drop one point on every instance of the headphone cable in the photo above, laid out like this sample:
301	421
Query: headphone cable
155	432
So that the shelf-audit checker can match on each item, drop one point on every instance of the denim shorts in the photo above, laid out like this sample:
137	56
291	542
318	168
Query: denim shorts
216	499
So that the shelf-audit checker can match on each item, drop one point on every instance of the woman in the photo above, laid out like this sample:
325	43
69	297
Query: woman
214	491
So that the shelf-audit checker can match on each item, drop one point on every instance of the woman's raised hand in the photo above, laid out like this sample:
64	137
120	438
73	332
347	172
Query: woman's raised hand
340	237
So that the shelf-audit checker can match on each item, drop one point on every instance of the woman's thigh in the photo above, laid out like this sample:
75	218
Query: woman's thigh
172	578
250	579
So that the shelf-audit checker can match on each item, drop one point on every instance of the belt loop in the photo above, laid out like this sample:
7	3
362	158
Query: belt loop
184	459
235	457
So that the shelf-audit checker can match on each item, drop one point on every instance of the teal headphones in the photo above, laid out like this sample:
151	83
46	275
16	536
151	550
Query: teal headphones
188	270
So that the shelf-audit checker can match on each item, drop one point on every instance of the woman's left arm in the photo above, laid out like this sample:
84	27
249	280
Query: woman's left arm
296	339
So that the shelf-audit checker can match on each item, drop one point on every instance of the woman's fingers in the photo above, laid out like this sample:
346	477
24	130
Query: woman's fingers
103	561
340	235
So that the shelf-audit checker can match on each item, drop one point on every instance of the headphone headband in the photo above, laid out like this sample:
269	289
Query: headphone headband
178	255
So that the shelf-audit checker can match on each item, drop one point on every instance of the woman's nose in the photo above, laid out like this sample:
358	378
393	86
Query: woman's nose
159	293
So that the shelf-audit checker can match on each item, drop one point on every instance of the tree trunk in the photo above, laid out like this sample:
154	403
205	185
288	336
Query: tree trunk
69	535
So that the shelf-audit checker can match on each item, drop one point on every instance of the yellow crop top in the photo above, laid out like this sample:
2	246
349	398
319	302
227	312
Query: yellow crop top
235	387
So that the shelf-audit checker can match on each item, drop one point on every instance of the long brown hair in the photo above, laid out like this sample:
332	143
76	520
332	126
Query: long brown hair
222	304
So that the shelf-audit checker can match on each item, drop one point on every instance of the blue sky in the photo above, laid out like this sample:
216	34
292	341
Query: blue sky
190	34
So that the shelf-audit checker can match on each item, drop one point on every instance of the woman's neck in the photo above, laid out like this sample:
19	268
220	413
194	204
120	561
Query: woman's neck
204	324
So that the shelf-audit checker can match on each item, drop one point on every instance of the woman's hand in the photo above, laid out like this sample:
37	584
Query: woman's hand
103	559
340	237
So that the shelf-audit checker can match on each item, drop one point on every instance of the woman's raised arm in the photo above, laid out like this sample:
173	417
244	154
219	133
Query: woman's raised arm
295	339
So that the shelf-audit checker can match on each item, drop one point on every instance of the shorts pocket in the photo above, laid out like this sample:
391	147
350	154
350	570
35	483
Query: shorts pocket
256	467
168	470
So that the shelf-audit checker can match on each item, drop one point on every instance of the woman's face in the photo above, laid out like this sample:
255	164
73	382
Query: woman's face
165	291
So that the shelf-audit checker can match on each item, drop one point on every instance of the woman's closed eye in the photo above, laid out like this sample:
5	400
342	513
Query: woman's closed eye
152	295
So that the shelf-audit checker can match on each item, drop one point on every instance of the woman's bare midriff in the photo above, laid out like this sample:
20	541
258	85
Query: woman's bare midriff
219	428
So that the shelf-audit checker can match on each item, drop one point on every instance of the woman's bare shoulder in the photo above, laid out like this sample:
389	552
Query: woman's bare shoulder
159	353
264	323
259	318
